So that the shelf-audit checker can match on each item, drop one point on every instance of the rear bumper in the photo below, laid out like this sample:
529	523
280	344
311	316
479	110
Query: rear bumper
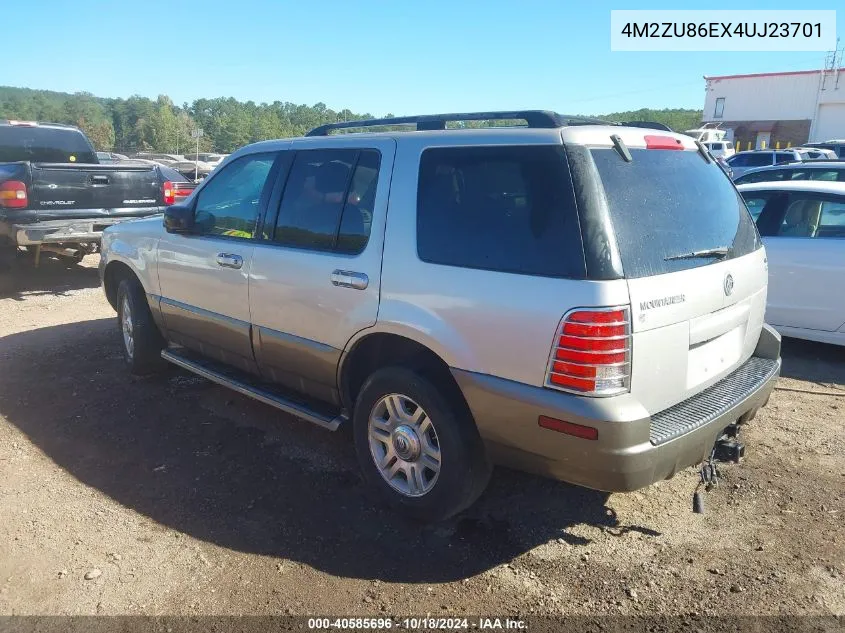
61	231
633	449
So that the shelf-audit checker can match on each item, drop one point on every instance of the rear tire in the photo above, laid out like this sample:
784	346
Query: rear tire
142	341
418	447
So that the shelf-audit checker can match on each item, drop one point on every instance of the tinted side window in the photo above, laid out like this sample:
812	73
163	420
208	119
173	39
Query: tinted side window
229	203
759	160
508	209
761	176
328	200
738	160
755	204
832	222
44	145
802	217
829	175
357	217
783	157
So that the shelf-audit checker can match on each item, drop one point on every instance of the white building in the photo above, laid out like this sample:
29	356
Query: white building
768	109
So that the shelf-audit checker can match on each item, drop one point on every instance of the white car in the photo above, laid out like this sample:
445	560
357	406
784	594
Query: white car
814	153
803	229
721	149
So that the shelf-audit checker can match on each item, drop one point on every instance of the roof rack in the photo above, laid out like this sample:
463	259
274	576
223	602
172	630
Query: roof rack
534	119
650	125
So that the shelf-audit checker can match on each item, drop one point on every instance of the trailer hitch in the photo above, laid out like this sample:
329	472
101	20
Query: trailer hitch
726	449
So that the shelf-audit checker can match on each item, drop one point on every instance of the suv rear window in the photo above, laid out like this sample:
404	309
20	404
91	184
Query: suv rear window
508	209
44	145
668	203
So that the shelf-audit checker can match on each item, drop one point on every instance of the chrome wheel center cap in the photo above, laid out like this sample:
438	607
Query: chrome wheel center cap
406	443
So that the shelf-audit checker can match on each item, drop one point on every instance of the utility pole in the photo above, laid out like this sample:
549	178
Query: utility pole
197	134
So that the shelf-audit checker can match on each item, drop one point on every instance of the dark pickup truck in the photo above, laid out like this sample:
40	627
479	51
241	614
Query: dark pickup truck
55	196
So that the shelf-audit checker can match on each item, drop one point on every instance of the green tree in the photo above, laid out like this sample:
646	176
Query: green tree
138	123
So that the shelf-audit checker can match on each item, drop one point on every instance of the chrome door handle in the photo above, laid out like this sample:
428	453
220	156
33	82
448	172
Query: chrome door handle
229	260
350	279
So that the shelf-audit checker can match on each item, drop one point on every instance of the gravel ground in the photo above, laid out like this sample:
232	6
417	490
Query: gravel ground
171	495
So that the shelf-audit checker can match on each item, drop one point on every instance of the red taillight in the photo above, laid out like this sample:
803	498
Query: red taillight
169	194
173	192
582	329
593	344
13	195
592	352
570	428
654	141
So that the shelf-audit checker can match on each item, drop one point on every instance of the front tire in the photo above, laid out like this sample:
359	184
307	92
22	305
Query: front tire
418	447
142	341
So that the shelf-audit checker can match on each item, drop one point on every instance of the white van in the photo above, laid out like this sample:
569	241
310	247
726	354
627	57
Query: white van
721	149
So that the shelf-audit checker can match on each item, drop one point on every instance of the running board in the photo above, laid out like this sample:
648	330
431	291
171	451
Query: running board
251	391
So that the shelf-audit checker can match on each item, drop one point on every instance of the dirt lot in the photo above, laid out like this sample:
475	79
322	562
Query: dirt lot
175	496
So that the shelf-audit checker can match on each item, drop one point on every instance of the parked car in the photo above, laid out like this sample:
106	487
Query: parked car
56	196
830	171
803	227
835	145
579	300
106	158
209	158
192	170
818	153
721	149
743	161
163	159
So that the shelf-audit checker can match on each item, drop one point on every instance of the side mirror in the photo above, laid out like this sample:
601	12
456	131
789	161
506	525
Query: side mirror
178	219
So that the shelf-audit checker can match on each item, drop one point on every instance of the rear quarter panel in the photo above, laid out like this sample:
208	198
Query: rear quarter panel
488	322
135	243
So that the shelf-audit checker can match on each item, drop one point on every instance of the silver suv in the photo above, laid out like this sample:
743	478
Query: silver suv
570	298
742	162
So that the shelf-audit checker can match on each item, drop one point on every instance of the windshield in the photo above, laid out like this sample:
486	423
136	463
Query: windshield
44	145
665	204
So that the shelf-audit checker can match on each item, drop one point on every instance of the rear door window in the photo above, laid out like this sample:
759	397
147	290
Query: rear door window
832	222
799	214
328	200
668	204
760	160
802	217
828	175
508	209
768	175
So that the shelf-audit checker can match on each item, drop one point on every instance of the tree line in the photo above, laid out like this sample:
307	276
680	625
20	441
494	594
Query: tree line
142	124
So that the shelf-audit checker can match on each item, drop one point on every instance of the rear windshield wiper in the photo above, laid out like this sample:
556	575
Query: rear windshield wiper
719	251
